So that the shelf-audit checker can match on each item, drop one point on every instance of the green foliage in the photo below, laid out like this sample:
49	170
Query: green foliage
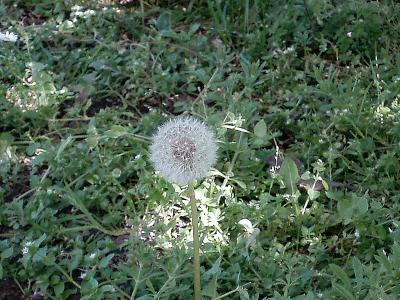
303	97
290	175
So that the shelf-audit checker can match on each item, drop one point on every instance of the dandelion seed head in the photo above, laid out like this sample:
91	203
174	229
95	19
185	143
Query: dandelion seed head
183	149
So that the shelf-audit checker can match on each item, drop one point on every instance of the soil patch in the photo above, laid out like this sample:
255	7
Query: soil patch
9	290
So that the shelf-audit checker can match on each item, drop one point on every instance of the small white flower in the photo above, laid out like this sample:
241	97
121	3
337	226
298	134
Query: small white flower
349	34
76	8
8	37
25	249
289	50
183	149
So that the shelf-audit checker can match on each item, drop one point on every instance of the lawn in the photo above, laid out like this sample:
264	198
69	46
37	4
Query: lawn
302	97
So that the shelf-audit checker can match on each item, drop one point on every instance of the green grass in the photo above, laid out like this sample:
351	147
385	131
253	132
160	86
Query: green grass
313	85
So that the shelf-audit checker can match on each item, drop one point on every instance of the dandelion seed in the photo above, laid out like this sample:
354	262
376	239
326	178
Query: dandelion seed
8	37
183	150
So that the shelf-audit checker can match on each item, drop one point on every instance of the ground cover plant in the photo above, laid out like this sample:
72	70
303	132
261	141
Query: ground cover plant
303	98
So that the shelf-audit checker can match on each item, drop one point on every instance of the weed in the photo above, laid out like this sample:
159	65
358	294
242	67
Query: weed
303	97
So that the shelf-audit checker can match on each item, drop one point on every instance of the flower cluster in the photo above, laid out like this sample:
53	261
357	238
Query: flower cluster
183	150
8	37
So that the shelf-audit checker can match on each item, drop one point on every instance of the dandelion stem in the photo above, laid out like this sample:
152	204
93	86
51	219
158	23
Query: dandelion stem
196	243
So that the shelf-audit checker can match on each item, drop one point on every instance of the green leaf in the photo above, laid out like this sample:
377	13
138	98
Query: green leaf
341	274
164	22
367	145
358	270
37	242
310	296
325	185
36	69
313	194
240	183
63	146
89	285
105	260
39	255
210	289
30	150
385	262
194	27
260	130
244	295
107	288
145	297
7	155
59	288
290	175
7	253
92	141
115	131
352	208
49	259
342	291
42	157
76	259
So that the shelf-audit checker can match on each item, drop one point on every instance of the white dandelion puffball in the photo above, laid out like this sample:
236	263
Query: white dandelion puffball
183	149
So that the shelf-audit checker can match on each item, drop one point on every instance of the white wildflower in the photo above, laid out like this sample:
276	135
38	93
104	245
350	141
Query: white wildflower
83	275
183	149
76	8
25	249
8	37
289	50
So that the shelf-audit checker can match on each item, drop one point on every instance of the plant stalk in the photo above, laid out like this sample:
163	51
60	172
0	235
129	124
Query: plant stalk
196	244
